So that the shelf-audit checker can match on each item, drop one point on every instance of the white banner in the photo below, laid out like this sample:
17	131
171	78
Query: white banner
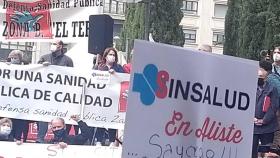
185	103
36	92
47	19
27	150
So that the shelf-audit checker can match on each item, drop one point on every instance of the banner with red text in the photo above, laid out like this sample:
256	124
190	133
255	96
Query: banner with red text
28	150
37	92
46	19
189	104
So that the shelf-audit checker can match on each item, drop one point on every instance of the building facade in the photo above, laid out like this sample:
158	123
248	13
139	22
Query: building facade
116	9
203	23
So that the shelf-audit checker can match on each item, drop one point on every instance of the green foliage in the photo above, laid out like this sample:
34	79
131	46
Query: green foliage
166	16
252	31
125	32
133	27
251	26
231	27
273	25
164	23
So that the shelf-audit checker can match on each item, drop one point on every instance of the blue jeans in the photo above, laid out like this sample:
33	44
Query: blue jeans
42	129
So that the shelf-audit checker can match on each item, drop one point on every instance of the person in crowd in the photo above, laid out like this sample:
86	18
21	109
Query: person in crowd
127	68
5	129
205	48
109	63
267	104
56	57
96	61
276	61
274	79
271	155
21	127
268	57
15	57
62	138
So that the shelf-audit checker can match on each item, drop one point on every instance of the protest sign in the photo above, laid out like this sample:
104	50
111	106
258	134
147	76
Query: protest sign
184	103
35	92
27	150
41	19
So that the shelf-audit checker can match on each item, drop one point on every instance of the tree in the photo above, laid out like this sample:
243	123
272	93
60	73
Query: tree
165	19
245	27
252	31
258	25
272	32
163	22
231	27
133	27
130	10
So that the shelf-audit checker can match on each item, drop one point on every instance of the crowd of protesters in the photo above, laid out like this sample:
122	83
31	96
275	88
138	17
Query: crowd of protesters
17	130
266	135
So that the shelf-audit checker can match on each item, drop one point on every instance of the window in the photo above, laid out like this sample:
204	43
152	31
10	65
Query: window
190	36
107	6
190	7
7	47
121	8
220	10
114	7
218	38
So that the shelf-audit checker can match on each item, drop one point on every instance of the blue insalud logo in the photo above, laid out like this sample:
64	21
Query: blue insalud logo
146	84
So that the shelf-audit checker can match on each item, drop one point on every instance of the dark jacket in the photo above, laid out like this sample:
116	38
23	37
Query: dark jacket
116	67
274	80
61	60
79	139
270	123
6	138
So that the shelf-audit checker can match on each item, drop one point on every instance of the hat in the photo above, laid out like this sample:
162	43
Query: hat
266	65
